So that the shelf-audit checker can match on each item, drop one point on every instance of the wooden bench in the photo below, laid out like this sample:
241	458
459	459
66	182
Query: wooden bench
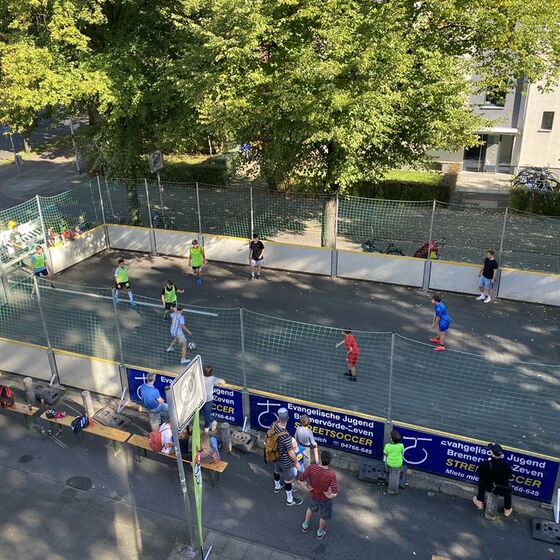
142	443
27	410
114	436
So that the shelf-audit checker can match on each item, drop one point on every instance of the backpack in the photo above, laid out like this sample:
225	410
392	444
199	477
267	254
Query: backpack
156	441
79	423
271	453
6	397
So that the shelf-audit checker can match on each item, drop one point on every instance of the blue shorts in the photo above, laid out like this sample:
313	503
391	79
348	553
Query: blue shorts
324	507
485	282
443	325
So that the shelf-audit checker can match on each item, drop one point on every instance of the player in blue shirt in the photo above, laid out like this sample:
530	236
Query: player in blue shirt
440	323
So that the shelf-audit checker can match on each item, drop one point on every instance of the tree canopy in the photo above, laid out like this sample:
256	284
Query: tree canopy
326	92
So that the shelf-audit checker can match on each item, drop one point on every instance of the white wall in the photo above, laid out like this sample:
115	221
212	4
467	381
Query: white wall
129	238
72	252
454	277
227	249
174	243
405	271
530	286
90	374
295	257
25	359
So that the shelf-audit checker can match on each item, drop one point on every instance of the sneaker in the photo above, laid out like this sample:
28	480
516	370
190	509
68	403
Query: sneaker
352	378
347	373
508	512
439	348
258	276
488	299
199	281
435	340
478	505
185	361
480	297
213	426
295	502
277	490
251	277
304	526
321	533
170	349
133	304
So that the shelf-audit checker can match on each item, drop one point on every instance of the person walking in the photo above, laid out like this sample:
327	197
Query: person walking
152	401
210	381
178	330
39	263
352	353
197	257
256	257
305	438
494	475
441	323
393	454
169	297
488	275
122	282
285	469
323	488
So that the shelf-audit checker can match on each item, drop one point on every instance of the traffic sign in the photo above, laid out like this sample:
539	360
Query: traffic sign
155	160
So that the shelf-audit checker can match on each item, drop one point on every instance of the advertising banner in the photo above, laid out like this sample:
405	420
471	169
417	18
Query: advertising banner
346	432
534	477
228	403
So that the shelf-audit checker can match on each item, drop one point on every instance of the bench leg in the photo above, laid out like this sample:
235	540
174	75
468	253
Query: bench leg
115	447
29	422
213	477
139	454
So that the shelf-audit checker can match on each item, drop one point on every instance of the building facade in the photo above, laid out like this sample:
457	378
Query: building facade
525	132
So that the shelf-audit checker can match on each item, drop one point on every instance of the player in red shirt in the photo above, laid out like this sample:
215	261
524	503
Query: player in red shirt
352	353
323	487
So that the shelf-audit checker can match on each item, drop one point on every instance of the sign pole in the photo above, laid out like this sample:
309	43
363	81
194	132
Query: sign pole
190	552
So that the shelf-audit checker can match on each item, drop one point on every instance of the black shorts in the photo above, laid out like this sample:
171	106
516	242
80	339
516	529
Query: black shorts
40	273
170	305
123	285
195	268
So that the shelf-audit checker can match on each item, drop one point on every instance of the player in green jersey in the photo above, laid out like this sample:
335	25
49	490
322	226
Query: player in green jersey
169	297
197	258
122	282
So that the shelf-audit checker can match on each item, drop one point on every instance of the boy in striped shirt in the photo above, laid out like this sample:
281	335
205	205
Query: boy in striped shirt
178	330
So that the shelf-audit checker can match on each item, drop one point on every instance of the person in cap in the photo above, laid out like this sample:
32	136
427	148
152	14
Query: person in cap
494	475
285	469
197	258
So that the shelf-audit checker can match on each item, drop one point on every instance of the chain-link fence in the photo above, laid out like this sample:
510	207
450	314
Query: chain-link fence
398	378
521	240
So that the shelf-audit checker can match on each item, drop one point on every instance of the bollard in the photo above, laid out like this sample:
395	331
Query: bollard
154	421
29	390
394	476
491	508
88	405
225	437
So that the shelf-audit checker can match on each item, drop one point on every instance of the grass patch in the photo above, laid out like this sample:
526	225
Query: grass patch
413	176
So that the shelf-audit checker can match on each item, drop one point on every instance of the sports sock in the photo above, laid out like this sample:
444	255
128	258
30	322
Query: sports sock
130	297
289	495
277	484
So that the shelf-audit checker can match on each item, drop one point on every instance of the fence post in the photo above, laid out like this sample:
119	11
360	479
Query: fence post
52	361
334	251
389	423
252	213
44	232
200	238
432	226
160	190
504	226
246	409
119	337
428	263
102	205
152	234
109	197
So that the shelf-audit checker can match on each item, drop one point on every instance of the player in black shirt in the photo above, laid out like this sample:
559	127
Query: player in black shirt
256	257
488	275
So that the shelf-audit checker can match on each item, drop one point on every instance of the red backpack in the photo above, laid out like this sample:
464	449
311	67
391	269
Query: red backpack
156	441
7	399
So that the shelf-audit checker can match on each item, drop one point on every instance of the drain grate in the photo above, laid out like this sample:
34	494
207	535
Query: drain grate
111	418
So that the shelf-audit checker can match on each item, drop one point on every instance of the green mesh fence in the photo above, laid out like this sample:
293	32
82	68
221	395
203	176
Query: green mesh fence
467	231
125	201
20	230
470	395
289	218
70	213
531	242
174	206
404	224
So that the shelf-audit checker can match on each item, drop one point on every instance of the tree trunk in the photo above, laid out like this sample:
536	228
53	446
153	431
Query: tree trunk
26	144
328	233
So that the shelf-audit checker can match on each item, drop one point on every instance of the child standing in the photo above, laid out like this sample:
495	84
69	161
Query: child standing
352	353
122	282
441	323
178	330
169	297
488	275
393	454
197	258
304	437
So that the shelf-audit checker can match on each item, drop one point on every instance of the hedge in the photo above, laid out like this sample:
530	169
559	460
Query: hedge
546	204
398	190
212	173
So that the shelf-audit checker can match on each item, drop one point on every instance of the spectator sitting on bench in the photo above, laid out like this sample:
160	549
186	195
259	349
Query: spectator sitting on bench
151	399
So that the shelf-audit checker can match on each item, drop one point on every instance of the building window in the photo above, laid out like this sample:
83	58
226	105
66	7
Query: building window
495	98
547	120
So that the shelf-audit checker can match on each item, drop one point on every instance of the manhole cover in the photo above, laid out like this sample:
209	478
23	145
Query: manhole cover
110	417
79	482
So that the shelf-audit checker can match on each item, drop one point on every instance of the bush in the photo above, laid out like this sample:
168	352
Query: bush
211	171
389	189
546	204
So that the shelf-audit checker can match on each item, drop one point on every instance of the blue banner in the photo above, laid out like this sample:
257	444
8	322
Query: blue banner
228	403
346	432
534	478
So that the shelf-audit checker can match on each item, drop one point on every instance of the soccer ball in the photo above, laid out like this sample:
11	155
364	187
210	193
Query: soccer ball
192	345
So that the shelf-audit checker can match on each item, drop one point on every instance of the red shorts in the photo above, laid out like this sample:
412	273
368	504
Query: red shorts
352	359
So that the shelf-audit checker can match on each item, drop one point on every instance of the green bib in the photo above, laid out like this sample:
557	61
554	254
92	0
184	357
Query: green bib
39	261
169	296
122	274
196	256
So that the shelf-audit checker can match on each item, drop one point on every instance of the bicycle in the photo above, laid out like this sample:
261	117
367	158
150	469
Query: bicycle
160	222
391	249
